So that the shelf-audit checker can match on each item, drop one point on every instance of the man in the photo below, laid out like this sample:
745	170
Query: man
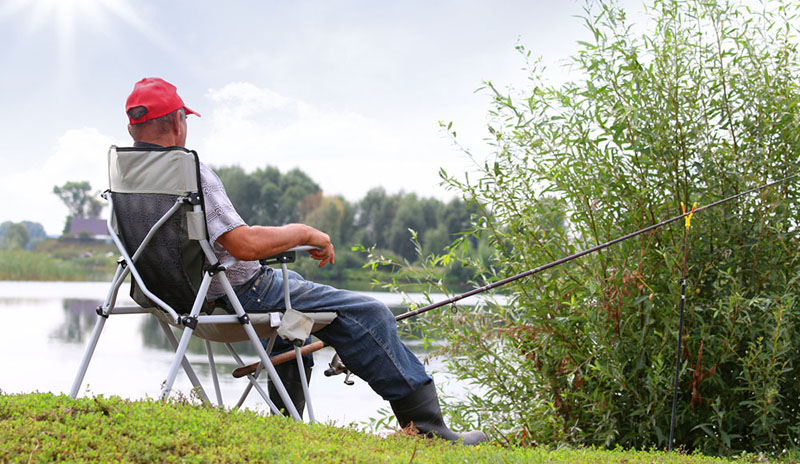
364	333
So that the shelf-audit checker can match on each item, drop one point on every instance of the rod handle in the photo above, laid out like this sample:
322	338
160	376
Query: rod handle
278	359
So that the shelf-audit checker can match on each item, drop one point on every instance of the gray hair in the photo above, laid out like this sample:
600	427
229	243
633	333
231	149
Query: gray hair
161	124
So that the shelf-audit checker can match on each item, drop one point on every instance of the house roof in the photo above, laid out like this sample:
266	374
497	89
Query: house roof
91	226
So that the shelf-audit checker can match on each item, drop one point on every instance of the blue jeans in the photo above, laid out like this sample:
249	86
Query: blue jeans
364	332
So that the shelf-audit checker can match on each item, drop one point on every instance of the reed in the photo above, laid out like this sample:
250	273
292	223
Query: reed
32	265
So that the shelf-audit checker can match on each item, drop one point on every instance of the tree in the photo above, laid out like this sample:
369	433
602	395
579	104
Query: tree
243	190
408	215
79	201
15	236
267	197
701	106
35	231
334	215
374	215
296	187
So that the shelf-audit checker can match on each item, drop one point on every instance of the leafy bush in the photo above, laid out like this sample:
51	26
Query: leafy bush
701	106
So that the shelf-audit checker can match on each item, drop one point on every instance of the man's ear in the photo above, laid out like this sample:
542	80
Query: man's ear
175	121
130	131
180	127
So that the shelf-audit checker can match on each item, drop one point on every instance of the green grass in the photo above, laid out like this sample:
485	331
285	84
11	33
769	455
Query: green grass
29	265
55	260
76	261
42	427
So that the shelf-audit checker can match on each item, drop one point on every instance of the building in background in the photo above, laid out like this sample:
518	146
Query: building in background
88	228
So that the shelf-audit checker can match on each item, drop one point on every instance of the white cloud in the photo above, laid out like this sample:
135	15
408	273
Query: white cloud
78	155
345	152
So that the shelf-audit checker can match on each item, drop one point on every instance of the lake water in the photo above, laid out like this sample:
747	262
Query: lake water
46	325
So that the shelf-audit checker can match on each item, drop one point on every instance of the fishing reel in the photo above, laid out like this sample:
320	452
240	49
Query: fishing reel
337	367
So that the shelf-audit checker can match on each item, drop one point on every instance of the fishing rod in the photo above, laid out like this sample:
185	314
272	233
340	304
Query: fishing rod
338	368
678	363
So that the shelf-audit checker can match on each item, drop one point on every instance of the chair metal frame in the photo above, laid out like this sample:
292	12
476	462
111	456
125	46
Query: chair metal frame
195	322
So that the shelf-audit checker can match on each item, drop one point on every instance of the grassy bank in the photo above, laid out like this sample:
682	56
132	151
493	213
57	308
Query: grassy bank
88	261
47	428
54	260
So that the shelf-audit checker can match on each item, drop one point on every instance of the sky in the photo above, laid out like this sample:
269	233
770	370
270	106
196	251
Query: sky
350	92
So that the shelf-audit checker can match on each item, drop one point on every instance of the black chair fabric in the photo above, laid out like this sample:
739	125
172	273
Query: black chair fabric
171	265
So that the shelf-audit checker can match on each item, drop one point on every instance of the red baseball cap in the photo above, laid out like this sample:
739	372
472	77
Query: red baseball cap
158	96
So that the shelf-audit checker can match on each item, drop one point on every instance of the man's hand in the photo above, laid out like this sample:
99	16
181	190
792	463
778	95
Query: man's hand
321	240
324	256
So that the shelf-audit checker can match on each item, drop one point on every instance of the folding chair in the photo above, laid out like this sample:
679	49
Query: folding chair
157	221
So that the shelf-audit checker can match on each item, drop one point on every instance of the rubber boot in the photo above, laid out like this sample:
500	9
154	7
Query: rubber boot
291	380
421	408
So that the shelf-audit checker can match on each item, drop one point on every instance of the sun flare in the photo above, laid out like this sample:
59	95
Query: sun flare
68	16
65	13
71	20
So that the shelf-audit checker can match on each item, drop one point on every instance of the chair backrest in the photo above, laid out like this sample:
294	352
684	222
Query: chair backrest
145	184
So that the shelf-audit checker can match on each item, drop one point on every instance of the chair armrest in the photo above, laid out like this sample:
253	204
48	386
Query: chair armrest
303	248
287	256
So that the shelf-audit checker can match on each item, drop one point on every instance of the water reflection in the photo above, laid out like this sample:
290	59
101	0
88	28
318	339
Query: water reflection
79	320
153	337
133	355
80	316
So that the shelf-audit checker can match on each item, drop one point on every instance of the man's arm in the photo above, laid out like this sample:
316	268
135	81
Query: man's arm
250	243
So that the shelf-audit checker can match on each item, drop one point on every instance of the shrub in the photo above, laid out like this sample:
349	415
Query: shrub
701	106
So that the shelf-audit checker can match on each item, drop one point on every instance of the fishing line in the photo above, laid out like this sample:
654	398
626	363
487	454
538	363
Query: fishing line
579	254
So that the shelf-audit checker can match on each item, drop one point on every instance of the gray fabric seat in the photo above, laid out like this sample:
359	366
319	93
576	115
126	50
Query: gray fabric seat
230	331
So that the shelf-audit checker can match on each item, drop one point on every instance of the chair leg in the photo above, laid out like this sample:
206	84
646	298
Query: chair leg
304	382
256	342
111	297
187	367
290	376
213	368
239	362
253	383
87	356
176	363
271	343
273	375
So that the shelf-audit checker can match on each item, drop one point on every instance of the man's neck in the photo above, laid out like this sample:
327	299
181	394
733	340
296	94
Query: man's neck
152	136
146	145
